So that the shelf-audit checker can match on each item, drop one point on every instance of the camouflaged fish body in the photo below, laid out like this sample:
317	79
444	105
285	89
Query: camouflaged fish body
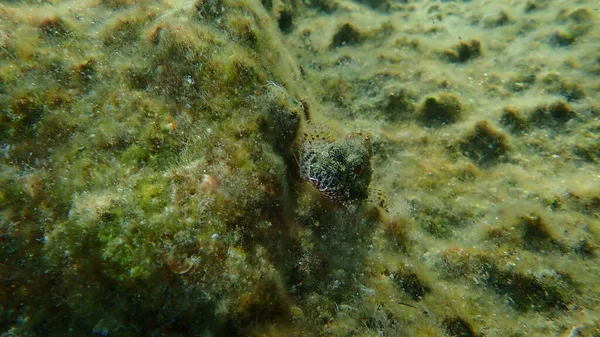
339	168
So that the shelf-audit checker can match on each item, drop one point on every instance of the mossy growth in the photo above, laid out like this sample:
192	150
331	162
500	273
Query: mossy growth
347	35
537	235
555	84
588	150
580	15
553	115
282	115
513	120
535	5
163	175
23	115
579	21
125	31
183	64
441	109
562	38
381	5
399	105
209	10
409	282
523	291
524	80
398	230
326	6
485	145
443	221
285	21
501	18
338	90
153	193
244	29
527	292
457	326
84	73
117	4
463	52
54	27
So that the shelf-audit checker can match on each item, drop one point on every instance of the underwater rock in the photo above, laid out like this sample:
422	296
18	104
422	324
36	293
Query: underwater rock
410	283
54	27
553	115
526	292
457	326
282	115
382	5
535	5
485	145
536	234
555	84
209	10
588	150
346	35
561	38
399	105
499	19
339	168
105	327
463	52
443	109
578	16
285	21
513	120
524	80
578	23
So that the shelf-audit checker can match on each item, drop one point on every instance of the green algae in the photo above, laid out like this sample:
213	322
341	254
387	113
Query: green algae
152	182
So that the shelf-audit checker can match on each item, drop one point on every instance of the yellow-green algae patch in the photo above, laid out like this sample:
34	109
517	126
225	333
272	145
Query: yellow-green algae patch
151	183
137	171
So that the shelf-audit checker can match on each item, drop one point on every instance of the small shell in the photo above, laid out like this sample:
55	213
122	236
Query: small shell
181	265
208	183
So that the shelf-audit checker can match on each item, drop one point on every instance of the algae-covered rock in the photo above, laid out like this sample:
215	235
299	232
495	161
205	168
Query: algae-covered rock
441	109
501	18
556	84
485	145
554	115
411	283
283	114
347	35
457	326
174	168
399	105
169	169
562	38
464	51
513	120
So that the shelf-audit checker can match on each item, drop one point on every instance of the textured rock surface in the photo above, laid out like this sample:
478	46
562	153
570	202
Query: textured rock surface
159	159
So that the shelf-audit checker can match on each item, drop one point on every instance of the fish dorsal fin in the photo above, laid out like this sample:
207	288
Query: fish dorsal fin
378	198
315	132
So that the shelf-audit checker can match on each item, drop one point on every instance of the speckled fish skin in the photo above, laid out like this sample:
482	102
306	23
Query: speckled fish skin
339	169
